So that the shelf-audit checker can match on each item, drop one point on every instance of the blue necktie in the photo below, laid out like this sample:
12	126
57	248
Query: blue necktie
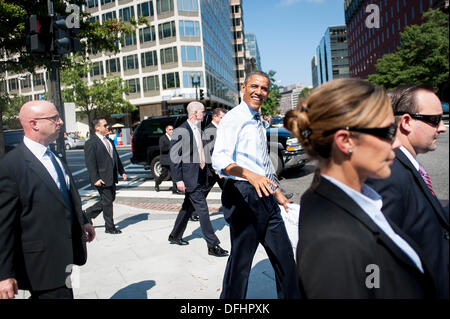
264	150
62	182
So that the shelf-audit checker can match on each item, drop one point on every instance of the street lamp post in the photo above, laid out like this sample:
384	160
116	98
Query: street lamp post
196	84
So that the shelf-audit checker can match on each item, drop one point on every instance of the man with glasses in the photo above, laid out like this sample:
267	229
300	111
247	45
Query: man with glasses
408	196
104	165
43	231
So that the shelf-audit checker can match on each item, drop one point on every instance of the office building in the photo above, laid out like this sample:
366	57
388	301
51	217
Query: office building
289	97
371	35
252	46
331	59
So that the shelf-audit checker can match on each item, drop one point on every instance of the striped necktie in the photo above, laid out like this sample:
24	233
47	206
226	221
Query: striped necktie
108	146
426	178
264	150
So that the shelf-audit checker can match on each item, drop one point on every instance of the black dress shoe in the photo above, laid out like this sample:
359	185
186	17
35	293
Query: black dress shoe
217	251
157	188
177	192
177	241
194	218
113	231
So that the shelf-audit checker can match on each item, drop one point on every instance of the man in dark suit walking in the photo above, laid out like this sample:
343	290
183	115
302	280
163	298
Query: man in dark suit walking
104	165
43	231
408	196
188	169
211	132
164	159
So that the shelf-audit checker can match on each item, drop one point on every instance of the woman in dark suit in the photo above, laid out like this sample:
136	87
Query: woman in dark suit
347	248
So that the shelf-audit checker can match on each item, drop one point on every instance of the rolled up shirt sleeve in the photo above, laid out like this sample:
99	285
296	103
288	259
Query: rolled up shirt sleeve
225	147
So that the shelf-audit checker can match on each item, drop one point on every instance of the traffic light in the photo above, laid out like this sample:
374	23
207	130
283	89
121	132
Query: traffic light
65	40
202	95
39	34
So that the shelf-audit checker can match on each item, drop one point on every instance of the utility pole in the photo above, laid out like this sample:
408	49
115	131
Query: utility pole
54	91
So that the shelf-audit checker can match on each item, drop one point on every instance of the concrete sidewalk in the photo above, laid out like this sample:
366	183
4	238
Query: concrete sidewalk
140	263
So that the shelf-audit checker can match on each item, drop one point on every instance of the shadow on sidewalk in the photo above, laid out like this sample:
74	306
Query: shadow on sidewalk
133	219
261	282
217	224
135	291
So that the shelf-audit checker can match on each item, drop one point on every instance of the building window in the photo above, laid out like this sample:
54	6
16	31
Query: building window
406	19
130	39
38	79
92	3
133	86
399	24
188	5
113	65
109	16
189	28
170	80
125	14
191	54
149	59
103	2
412	13
169	55
147	34
130	62
151	83
236	8
145	9
13	84
187	80
236	22
164	5
167	30
97	68
421	7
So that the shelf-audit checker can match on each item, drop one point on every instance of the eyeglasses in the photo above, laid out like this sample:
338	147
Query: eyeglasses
54	118
387	133
106	125
434	120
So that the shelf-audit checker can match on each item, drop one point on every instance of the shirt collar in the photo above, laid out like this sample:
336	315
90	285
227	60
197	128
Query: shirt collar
100	136
410	157
36	148
250	110
369	200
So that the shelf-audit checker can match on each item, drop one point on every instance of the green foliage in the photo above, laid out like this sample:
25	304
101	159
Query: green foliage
423	56
103	97
303	95
272	103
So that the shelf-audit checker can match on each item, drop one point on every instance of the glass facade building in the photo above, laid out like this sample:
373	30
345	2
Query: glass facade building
252	46
331	59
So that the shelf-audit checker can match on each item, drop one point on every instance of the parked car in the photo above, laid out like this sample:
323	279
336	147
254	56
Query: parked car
73	142
12	138
285	150
276	121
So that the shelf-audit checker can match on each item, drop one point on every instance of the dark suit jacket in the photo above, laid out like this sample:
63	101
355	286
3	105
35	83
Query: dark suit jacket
408	202
99	163
210	136
184	157
164	149
338	241
37	241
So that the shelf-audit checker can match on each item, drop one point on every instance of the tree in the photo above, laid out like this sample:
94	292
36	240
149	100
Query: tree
303	95
272	102
422	58
103	97
13	17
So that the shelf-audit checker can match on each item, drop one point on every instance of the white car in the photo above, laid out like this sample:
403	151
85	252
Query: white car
73	142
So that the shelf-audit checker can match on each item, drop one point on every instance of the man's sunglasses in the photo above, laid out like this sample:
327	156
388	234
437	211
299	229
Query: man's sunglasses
387	133
434	120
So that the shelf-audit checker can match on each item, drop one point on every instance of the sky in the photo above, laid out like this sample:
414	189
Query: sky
288	33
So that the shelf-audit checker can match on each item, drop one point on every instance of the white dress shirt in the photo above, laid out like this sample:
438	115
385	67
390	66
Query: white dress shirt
371	202
238	141
39	150
102	138
410	157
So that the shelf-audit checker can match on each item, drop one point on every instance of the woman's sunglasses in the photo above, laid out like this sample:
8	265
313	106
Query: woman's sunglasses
387	133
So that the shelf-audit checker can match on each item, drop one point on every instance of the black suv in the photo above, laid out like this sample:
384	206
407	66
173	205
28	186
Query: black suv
12	138
285	151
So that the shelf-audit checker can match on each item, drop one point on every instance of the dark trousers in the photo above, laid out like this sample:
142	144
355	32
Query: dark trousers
57	293
165	169
213	178
254	221
195	201
105	204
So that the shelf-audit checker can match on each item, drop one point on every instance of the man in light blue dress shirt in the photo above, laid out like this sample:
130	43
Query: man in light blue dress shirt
251	196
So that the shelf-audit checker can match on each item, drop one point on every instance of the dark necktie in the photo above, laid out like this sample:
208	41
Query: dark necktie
108	146
426	178
62	181
264	150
